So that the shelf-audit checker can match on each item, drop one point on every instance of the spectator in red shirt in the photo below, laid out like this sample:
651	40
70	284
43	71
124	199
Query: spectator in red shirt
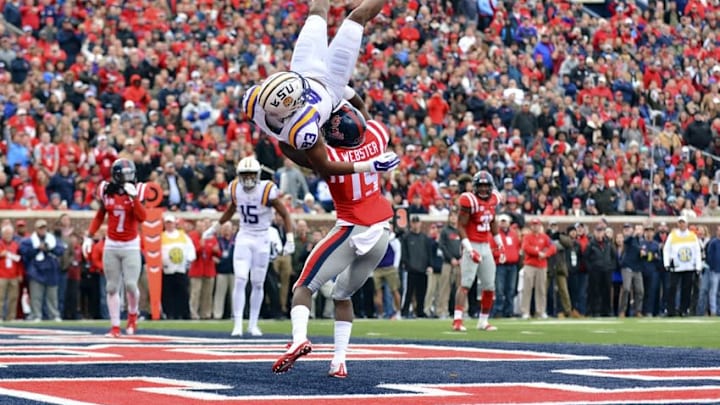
425	189
537	247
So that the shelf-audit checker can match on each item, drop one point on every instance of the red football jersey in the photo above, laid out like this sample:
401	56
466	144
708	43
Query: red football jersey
357	197
122	223
482	214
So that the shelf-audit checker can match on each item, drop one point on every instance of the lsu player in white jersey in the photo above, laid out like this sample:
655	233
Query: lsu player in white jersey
293	105
255	200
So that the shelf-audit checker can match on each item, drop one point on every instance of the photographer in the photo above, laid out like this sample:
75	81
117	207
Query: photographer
41	252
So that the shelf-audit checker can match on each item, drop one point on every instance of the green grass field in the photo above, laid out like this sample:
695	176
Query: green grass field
670	332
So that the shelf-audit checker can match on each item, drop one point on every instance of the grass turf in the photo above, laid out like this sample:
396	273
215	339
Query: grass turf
669	332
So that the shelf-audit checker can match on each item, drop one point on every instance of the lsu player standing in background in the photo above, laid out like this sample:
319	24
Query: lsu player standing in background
119	199
255	200
477	226
354	246
293	105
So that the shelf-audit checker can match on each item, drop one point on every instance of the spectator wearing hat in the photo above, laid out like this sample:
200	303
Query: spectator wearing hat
650	255
41	252
631	267
600	260
682	257
506	272
537	248
178	253
416	261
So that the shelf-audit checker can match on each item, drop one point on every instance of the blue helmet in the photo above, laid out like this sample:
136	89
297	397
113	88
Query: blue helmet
345	128
123	171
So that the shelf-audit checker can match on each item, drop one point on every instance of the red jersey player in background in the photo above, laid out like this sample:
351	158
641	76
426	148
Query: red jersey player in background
477	227
354	246
121	256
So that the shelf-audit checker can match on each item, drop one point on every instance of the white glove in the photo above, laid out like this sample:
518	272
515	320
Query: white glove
289	247
87	245
210	232
385	162
130	190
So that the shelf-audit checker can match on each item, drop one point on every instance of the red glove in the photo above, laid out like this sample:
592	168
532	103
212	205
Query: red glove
475	256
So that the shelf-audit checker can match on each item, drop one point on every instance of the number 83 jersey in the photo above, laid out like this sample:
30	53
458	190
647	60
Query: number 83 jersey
254	206
302	128
482	213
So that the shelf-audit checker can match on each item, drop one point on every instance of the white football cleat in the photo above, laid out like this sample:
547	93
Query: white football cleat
255	331
338	370
486	327
237	331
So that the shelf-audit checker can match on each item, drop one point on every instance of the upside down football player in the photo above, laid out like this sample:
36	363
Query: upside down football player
477	225
121	257
293	105
355	245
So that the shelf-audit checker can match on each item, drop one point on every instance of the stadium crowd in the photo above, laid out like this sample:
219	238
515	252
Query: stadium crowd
572	114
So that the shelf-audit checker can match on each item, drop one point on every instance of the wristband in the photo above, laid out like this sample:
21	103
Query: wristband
466	244
362	167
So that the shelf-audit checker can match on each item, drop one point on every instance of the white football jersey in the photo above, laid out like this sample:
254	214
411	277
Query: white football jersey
254	206
302	129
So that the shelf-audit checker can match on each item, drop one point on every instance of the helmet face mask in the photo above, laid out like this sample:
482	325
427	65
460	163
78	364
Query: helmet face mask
483	184
345	128
123	171
281	94
248	172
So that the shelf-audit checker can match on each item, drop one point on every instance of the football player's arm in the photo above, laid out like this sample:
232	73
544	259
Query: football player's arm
496	234
228	214
285	214
357	102
318	158
97	221
298	157
463	219
139	210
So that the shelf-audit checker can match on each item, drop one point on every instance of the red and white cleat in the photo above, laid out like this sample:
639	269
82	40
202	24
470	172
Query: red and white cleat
458	326
114	332
338	370
131	327
486	327
294	352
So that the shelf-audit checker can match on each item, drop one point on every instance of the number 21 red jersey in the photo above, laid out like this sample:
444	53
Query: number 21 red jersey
357	197
482	214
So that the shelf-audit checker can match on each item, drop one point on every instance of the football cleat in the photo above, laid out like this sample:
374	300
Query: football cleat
131	327
486	327
237	331
338	370
255	331
294	352
458	326
114	332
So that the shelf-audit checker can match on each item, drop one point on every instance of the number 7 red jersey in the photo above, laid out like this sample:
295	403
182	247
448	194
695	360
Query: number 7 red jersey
122	229
357	197
482	214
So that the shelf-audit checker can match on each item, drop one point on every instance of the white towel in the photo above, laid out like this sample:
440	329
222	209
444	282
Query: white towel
366	240
49	242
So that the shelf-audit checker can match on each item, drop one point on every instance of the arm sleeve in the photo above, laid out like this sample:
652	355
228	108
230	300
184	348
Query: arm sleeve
397	248
667	250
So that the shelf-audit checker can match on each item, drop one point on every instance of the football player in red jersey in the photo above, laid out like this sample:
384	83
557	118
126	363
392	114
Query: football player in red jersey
477	226
356	244
121	257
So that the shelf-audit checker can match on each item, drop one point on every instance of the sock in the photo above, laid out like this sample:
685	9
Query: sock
482	319
299	316
458	314
133	298
256	300
113	303
239	300
342	339
486	303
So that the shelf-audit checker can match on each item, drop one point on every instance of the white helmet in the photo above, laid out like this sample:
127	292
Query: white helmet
248	171
281	94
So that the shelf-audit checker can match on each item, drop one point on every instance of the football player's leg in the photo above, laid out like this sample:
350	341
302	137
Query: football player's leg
131	266
258	271
486	284
468	270
347	283
241	268
308	58
112	268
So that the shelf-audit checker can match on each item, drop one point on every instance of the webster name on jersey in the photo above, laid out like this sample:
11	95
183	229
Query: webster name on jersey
360	154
